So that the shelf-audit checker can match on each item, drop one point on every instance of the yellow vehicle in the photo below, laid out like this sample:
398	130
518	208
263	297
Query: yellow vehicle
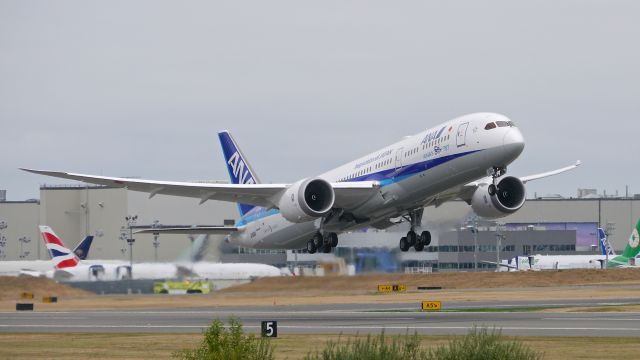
183	287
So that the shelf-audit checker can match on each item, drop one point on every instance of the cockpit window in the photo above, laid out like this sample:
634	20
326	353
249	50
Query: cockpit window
502	123
511	123
490	126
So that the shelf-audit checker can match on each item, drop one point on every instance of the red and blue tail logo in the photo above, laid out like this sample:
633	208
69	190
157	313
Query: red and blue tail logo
61	256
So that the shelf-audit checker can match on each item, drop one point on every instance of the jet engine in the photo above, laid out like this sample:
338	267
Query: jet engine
496	201
306	200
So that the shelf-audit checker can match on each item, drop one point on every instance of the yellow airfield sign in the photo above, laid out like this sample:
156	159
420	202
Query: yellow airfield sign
392	288
431	306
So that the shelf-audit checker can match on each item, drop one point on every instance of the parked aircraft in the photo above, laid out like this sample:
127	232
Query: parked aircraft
555	262
464	158
68	267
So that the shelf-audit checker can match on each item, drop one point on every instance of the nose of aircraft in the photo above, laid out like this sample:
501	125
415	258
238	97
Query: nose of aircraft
513	141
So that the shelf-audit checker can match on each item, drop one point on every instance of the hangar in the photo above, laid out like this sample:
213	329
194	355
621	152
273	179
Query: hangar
542	226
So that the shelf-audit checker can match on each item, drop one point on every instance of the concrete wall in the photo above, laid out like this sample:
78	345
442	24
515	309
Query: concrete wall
74	213
22	219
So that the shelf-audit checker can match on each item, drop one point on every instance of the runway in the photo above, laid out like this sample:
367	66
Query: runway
347	319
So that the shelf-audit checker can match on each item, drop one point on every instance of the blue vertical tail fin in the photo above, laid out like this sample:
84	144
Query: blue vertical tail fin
240	171
605	247
82	250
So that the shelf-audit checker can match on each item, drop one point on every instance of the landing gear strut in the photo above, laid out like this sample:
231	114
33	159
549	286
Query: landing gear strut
412	239
495	173
322	243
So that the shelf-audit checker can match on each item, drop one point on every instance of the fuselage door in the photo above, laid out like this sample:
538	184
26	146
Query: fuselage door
461	137
399	158
96	272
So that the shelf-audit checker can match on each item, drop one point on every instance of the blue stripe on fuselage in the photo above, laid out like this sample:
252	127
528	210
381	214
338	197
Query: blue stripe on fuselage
384	177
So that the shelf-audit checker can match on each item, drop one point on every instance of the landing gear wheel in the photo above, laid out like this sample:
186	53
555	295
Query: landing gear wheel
326	248
419	246
311	247
404	244
317	240
412	237
333	239
491	190
425	238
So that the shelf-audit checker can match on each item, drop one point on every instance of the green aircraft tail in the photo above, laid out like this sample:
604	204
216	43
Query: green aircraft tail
630	251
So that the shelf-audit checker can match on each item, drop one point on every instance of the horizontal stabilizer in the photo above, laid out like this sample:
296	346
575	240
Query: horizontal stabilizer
220	230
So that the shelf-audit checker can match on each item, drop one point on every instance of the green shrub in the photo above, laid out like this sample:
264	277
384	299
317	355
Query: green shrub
478	344
482	344
372	348
228	344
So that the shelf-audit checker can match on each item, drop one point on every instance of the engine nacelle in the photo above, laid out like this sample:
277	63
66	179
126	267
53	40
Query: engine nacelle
494	202
306	200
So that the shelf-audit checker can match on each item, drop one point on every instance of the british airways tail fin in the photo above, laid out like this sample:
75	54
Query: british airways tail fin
605	247
82	249
61	256
240	171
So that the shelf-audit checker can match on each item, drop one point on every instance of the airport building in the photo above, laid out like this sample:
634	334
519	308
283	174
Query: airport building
543	226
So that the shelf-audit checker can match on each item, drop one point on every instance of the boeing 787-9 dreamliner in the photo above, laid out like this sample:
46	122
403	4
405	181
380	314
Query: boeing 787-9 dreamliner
464	158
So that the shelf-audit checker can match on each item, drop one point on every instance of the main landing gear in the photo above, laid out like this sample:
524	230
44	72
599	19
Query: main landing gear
412	239
322	243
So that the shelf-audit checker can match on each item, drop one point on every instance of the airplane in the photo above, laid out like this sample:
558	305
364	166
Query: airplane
68	267
464	158
558	262
23	267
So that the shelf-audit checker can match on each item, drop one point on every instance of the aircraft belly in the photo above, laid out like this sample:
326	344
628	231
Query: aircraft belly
275	232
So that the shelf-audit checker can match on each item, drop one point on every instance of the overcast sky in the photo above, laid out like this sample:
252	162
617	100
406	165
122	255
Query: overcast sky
140	88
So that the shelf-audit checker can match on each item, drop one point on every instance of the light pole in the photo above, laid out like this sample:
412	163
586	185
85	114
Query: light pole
473	227
3	240
156	243
499	238
24	240
131	222
123	238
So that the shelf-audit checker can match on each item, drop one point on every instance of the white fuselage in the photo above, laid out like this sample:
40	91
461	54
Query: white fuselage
97	270
558	262
413	173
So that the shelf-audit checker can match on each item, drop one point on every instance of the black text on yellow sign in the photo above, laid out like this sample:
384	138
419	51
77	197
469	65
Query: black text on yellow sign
391	288
431	306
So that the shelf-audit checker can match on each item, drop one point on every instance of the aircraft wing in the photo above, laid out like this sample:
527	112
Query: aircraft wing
265	195
525	179
466	192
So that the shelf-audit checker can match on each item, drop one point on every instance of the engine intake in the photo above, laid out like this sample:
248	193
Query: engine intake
307	200
507	197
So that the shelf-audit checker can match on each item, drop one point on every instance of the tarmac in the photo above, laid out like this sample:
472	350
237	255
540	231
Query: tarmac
512	317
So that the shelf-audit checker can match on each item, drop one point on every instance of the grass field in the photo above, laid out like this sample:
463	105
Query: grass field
292	347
